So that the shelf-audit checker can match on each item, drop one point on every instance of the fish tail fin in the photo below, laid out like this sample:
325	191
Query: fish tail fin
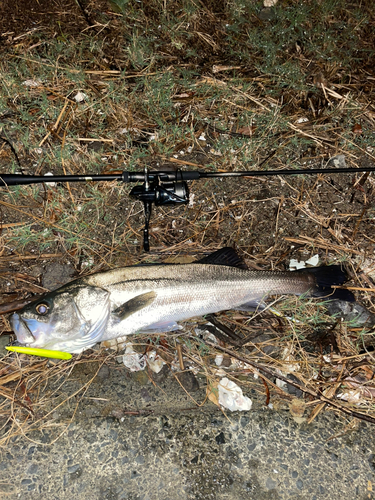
326	277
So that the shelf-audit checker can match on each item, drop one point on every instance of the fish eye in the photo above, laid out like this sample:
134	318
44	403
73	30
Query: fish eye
42	308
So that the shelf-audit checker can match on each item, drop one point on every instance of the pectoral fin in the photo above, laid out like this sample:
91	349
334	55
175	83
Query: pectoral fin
162	327
135	304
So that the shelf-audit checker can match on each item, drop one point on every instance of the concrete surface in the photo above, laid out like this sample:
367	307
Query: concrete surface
169	449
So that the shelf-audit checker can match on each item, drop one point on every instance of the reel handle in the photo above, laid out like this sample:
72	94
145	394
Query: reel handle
160	192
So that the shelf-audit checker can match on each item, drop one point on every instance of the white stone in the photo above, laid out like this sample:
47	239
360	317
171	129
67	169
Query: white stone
231	396
80	97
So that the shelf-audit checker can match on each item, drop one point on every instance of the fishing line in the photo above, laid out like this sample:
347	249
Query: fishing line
13	151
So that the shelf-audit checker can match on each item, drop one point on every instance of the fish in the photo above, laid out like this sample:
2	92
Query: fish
155	297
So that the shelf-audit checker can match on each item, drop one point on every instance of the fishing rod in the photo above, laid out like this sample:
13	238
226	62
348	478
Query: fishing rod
168	187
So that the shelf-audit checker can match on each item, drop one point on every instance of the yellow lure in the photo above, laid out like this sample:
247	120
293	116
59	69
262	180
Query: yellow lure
44	353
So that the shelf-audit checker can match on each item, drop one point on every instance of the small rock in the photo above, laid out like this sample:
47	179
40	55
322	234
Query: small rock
270	483
56	275
338	161
160	377
267	14
299	484
145	395
297	407
268	349
220	438
351	311
103	373
73	469
4	341
188	381
80	97
96	146
294	390
141	377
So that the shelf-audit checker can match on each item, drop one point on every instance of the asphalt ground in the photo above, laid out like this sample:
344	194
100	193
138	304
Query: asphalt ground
136	439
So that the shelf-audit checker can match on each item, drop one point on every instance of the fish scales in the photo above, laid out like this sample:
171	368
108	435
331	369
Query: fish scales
189	291
128	300
187	281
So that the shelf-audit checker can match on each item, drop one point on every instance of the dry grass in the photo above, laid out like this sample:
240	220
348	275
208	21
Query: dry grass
195	87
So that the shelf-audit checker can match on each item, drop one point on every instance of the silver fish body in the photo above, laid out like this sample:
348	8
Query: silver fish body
149	298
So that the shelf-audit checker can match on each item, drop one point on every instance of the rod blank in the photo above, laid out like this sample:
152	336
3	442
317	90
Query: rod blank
168	175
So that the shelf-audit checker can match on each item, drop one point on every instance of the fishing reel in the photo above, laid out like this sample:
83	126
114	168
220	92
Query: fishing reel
161	189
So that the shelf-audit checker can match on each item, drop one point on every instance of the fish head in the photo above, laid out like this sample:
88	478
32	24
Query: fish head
70	319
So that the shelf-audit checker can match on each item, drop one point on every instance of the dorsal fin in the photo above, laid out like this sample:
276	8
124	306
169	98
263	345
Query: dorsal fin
226	256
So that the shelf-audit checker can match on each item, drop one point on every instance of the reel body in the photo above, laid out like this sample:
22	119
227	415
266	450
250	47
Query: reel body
159	192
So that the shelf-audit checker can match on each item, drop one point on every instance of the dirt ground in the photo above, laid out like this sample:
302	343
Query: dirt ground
101	87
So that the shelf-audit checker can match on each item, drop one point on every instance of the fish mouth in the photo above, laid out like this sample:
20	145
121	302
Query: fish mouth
20	328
